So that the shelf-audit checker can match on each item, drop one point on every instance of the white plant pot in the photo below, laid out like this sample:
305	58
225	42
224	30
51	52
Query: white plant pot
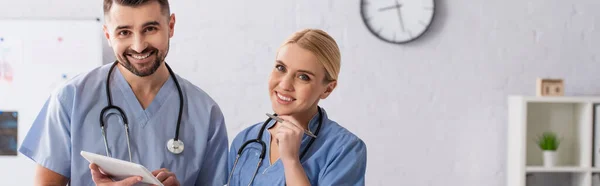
549	158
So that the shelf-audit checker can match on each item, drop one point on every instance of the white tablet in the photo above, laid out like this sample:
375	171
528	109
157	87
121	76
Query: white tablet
119	169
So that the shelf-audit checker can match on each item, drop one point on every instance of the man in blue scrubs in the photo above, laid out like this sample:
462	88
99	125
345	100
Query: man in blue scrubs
142	86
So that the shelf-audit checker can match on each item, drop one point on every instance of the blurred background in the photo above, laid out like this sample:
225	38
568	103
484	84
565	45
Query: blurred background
433	111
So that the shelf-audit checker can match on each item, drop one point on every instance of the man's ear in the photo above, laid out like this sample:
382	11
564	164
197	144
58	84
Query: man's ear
330	87
106	34
171	25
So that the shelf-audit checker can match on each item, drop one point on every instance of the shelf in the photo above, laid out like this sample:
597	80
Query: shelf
573	120
558	179
537	169
556	99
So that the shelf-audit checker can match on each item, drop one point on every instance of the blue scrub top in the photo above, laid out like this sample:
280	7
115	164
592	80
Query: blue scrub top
69	123
336	157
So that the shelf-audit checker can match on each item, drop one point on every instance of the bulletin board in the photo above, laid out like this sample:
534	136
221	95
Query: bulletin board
36	57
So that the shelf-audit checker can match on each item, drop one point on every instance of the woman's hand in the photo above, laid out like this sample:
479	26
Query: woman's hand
289	137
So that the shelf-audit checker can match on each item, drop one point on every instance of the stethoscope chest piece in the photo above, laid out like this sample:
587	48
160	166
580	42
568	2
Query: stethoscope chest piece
175	147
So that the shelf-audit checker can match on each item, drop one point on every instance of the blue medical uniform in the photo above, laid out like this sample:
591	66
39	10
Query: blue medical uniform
69	123
336	157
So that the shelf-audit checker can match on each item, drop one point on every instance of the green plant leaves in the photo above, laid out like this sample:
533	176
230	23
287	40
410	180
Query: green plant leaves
548	141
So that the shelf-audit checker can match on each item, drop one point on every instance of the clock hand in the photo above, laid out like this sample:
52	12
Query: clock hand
400	15
388	8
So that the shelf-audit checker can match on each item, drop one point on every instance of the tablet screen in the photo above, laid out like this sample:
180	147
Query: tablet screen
119	169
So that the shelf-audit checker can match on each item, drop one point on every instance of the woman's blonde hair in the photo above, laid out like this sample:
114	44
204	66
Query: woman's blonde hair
321	45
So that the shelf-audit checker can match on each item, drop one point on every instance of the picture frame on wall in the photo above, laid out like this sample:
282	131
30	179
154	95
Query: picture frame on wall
8	133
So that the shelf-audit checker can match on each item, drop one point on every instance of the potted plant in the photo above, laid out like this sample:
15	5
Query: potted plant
549	143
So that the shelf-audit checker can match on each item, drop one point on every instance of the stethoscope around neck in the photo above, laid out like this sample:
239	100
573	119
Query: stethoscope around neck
263	146
174	145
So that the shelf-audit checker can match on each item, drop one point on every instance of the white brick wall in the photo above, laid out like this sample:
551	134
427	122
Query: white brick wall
432	112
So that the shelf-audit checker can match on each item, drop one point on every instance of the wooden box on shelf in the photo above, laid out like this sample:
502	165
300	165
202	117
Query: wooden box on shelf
550	87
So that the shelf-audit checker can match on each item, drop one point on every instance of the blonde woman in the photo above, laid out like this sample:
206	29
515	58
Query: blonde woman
282	152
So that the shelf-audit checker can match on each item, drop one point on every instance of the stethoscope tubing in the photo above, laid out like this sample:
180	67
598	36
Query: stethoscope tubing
264	146
124	116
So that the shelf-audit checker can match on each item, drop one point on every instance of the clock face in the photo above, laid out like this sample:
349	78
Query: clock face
397	21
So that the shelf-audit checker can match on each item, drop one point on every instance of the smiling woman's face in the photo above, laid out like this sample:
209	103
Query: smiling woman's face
297	81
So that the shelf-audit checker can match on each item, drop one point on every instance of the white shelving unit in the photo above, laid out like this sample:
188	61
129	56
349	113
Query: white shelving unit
572	118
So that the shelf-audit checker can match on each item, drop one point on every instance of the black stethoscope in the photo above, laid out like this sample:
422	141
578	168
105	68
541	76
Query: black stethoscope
264	146
174	145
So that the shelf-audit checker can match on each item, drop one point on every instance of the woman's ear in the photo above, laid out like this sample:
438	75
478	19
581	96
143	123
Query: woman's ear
330	86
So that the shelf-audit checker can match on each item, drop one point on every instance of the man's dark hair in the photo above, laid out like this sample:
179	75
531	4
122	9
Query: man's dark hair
164	4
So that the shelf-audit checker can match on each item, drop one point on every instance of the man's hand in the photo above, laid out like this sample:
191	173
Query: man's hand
102	179
165	177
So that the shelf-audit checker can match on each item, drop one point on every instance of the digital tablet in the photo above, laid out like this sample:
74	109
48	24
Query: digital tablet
119	169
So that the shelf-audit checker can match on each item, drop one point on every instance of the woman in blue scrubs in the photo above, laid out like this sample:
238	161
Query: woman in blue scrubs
305	71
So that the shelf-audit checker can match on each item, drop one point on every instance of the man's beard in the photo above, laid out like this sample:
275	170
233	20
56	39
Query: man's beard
143	72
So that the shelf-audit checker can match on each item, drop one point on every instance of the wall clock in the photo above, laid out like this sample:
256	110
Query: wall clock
397	21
